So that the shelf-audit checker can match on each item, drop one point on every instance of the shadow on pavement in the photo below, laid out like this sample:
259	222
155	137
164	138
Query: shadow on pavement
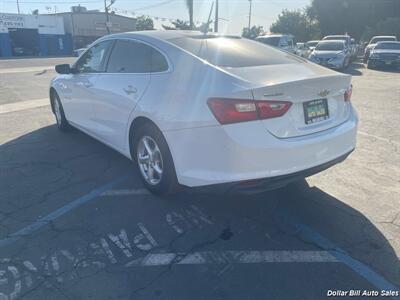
353	69
46	169
346	227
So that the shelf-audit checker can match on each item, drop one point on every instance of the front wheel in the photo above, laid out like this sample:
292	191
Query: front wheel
58	111
154	161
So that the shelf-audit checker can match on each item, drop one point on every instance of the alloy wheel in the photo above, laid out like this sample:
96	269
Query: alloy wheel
150	160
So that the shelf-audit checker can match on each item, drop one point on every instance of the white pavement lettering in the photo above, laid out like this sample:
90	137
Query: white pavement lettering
187	218
121	241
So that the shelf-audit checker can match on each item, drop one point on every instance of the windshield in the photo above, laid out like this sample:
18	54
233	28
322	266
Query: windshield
382	39
233	52
393	46
272	40
312	44
330	46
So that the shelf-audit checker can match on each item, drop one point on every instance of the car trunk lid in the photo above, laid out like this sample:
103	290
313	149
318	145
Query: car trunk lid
308	87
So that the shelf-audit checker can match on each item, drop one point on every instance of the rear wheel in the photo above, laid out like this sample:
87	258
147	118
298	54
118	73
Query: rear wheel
154	160
58	111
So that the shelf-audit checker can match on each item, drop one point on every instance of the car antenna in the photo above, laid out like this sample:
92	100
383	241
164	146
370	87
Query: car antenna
206	27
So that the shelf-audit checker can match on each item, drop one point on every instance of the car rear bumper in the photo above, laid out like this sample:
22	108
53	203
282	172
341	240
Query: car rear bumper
269	183
247	151
384	63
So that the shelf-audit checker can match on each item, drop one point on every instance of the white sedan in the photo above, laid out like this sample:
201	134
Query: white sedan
201	110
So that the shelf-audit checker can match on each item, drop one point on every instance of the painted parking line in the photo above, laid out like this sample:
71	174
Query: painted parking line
233	257
126	192
23	105
308	234
59	212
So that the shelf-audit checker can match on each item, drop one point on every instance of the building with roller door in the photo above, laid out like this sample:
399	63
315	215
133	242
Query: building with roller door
33	35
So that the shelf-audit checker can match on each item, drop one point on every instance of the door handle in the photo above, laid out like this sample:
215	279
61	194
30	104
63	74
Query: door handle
130	90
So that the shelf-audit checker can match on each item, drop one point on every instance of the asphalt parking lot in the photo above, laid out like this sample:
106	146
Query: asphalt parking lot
76	223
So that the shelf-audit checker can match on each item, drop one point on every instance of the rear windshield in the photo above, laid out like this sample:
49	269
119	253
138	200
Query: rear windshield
382	39
394	46
234	52
330	46
272	40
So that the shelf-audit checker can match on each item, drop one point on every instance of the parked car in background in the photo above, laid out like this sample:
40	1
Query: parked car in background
349	43
384	54
312	44
251	113
332	54
372	43
283	41
303	50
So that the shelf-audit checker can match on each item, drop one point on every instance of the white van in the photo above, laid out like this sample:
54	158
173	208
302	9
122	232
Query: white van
283	41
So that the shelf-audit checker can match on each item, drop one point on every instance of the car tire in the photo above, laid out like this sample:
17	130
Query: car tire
58	111
154	161
370	65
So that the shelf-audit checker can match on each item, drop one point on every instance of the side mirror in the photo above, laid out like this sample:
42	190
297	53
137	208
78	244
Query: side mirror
64	69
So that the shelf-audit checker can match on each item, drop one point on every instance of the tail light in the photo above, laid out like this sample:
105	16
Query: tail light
228	111
348	93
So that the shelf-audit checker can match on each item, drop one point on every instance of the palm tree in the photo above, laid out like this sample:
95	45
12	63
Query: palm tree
189	5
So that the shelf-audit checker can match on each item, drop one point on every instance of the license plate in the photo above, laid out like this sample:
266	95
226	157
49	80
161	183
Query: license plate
388	62
315	111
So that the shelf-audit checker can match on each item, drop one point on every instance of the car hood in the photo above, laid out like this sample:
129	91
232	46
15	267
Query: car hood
326	54
389	51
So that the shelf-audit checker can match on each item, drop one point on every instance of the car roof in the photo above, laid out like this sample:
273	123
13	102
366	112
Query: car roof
168	34
274	35
383	36
388	42
332	41
338	35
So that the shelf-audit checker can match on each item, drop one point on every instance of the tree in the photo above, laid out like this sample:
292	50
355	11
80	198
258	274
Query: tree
178	25
253	32
297	23
189	5
144	23
390	26
185	25
351	16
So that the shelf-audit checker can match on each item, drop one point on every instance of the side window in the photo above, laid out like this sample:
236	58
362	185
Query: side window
134	57
158	62
93	60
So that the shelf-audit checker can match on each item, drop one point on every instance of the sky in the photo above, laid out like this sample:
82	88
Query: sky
233	13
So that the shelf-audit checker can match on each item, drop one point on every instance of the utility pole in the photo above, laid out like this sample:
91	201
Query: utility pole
106	7
216	17
250	14
18	6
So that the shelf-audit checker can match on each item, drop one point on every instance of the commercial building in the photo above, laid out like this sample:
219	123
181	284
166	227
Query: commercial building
85	26
33	35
